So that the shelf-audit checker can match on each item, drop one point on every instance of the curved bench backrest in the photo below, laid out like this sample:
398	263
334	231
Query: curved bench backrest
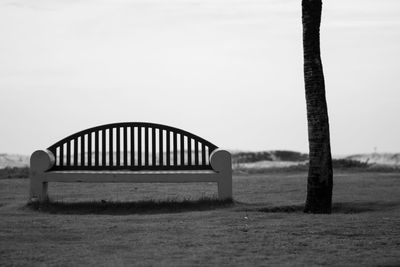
132	146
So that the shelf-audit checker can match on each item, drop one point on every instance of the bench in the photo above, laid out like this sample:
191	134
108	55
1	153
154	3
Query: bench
131	152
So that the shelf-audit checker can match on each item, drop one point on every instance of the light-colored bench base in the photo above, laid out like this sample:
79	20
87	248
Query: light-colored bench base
41	161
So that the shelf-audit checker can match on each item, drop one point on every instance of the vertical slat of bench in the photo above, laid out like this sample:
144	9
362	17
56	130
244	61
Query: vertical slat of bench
196	153
146	146
56	153
118	150
125	147
110	147
153	146
83	150
61	155
139	146
203	154
103	147
89	152
68	153
175	148
75	152
182	137
189	151
160	147
96	149
208	153
167	134
132	146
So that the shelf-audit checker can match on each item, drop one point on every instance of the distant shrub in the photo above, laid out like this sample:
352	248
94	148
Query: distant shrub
349	163
15	172
277	155
292	168
246	157
285	155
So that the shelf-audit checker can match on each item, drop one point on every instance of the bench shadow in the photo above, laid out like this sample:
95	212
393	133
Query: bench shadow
337	208
126	208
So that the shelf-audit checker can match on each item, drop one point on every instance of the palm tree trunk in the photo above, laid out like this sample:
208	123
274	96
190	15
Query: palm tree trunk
320	176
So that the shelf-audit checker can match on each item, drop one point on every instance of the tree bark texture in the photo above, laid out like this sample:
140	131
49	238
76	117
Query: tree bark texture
320	175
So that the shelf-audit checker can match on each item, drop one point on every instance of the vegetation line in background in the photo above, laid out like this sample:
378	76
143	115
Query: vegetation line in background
240	167
14	172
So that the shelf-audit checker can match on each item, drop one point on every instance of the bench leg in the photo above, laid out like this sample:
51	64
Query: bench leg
225	186
38	190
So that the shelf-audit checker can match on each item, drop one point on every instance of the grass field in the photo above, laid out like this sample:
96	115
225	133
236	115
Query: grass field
264	226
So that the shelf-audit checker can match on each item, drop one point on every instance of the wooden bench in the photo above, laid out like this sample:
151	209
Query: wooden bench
131	152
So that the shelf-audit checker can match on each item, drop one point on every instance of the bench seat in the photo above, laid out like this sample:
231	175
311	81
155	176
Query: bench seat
132	176
129	172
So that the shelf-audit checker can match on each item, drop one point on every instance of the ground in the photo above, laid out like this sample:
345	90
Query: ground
264	226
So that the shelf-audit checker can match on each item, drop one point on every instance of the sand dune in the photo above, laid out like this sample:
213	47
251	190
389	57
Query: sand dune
391	159
13	160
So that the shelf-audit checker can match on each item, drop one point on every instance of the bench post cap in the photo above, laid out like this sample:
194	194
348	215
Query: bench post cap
220	160
41	161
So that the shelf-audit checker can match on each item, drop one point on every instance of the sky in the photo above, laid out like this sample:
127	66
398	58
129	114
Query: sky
230	71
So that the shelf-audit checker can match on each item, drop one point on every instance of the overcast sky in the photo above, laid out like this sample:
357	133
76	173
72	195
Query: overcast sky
228	70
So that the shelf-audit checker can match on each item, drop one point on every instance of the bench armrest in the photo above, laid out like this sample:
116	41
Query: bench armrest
41	161
221	160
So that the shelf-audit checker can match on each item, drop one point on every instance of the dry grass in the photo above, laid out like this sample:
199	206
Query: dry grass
265	226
